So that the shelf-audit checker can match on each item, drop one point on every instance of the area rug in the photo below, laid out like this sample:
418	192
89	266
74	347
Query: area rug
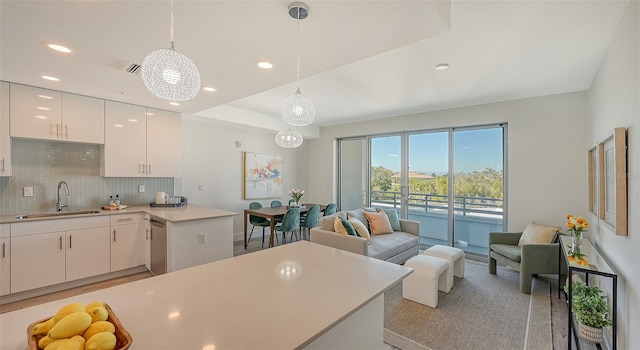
482	311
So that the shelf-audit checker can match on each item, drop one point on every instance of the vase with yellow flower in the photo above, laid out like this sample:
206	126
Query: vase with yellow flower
577	225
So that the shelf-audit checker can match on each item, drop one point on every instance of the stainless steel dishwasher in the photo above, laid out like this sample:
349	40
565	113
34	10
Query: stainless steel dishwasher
158	246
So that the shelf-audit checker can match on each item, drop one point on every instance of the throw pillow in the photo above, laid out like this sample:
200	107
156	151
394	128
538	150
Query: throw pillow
378	222
358	214
342	226
327	222
361	228
536	234
392	214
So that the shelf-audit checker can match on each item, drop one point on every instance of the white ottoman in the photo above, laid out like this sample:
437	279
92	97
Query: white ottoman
455	258
428	276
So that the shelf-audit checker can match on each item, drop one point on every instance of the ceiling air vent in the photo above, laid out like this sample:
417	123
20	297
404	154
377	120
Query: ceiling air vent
132	68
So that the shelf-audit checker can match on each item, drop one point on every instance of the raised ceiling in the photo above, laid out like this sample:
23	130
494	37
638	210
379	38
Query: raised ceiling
359	59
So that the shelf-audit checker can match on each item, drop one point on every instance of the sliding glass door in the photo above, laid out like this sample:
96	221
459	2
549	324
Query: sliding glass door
450	180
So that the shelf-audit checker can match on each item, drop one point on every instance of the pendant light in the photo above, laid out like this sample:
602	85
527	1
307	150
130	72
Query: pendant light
289	139
170	75
298	110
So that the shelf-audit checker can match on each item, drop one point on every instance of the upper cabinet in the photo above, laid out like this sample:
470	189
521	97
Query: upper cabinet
5	139
141	142
52	115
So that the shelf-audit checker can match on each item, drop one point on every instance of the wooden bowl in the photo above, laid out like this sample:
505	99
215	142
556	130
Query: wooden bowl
123	338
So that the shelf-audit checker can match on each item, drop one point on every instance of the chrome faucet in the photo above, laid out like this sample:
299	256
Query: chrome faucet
59	204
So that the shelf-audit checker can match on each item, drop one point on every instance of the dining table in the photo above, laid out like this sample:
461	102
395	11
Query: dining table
272	214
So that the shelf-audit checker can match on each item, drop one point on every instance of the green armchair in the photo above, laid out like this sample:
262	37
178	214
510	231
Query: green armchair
529	259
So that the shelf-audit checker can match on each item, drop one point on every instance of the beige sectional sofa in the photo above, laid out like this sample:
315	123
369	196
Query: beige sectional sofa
396	247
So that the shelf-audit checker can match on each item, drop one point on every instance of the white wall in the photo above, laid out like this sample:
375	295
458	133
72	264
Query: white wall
547	160
613	101
210	158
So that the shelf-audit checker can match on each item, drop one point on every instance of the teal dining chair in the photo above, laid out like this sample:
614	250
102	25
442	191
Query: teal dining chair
257	221
290	223
292	202
330	209
276	204
310	220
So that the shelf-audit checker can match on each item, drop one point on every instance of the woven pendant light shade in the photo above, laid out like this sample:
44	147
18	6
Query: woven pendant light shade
289	139
170	75
297	110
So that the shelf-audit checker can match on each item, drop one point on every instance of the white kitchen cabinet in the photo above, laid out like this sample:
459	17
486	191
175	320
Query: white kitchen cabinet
35	112
83	118
40	253
5	139
141	142
125	146
37	260
126	242
87	253
52	115
5	259
163	143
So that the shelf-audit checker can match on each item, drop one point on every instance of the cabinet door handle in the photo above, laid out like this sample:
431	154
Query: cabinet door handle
114	235
57	130
66	131
146	235
3	249
69	241
127	219
2	165
149	169
60	242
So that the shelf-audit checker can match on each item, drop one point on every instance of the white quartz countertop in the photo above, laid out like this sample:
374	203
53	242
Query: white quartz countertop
278	298
184	213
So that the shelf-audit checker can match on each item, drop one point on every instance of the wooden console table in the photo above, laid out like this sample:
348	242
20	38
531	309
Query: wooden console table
597	266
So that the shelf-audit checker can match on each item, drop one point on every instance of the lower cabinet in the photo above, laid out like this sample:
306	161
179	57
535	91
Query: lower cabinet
37	260
126	243
87	253
5	259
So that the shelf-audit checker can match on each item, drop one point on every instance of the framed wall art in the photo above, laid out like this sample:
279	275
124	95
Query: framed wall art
612	166
593	181
262	176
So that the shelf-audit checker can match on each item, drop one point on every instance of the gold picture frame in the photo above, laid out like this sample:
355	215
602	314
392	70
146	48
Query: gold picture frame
612	168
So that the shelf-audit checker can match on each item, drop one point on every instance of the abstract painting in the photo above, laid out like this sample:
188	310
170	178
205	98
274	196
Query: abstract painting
262	176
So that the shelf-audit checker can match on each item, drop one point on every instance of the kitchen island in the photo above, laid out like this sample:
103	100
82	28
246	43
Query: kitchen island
300	295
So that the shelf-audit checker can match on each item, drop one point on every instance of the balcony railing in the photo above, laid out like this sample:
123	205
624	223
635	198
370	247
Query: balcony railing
463	205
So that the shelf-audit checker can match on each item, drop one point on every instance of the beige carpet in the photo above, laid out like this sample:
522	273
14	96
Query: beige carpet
482	311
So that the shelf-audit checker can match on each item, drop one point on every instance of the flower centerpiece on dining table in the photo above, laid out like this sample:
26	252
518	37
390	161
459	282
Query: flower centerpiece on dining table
296	194
577	225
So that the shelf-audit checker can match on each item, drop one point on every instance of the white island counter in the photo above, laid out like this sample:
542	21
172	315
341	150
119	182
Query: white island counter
300	295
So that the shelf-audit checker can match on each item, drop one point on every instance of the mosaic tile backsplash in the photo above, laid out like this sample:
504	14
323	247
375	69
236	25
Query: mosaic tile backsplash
43	164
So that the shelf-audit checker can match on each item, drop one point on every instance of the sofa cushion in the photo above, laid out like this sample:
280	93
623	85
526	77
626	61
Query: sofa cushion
394	220
510	251
384	247
358	214
536	234
342	226
361	228
378	222
326	222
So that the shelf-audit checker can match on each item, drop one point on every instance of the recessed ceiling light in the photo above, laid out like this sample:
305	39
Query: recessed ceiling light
59	48
118	125
49	78
46	97
442	66
174	103
149	113
208	88
41	117
43	108
265	65
132	120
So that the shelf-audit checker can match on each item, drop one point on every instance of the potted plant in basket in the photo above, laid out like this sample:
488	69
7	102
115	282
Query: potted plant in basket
591	309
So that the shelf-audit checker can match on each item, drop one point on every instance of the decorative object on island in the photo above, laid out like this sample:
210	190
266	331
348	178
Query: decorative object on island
289	139
170	75
591	310
262	176
76	325
577	225
296	194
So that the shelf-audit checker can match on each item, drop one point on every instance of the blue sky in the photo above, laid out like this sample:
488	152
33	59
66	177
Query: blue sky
475	150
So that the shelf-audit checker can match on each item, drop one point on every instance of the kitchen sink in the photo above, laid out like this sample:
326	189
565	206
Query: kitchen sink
57	214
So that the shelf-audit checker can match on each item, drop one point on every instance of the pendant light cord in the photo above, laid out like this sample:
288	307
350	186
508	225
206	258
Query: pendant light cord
171	33
298	66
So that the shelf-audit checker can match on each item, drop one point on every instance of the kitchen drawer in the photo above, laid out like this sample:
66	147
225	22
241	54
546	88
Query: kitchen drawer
54	225
5	230
123	219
